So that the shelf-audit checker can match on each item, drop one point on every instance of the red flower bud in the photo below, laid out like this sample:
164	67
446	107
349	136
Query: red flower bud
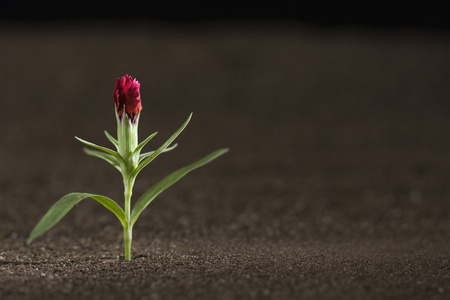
126	93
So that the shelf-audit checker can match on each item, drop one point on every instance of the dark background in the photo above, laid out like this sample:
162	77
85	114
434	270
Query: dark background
386	14
337	116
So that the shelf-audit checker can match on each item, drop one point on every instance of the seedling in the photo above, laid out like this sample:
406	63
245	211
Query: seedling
129	160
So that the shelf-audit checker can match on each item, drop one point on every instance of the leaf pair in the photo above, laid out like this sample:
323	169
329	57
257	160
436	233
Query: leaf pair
66	203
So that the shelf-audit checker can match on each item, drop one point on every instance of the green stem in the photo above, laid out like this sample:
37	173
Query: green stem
128	191
127	230
127	238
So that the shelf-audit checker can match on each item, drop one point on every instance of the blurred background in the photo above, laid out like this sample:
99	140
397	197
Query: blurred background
336	113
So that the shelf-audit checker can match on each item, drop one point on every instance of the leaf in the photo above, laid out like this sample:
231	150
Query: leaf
147	154
112	140
105	156
154	191
65	204
151	157
143	143
107	150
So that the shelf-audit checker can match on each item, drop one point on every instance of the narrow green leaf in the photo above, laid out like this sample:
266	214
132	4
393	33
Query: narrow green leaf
112	140
146	161
105	156
107	150
143	143
154	191
65	204
147	154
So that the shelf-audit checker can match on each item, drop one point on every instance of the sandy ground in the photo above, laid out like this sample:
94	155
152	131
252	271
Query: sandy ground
336	185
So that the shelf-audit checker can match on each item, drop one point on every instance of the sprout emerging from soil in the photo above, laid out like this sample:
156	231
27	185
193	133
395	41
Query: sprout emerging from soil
128	160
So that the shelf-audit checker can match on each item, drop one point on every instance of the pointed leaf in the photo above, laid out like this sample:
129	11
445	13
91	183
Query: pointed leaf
107	150
65	204
146	161
154	191
112	139
105	156
143	143
147	154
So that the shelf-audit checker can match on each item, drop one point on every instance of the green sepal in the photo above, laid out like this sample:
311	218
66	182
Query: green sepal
112	140
147	154
154	191
65	204
152	156
105	156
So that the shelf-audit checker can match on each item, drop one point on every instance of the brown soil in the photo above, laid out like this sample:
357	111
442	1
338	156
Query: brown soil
336	186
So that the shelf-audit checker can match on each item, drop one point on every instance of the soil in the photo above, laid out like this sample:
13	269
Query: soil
336	185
